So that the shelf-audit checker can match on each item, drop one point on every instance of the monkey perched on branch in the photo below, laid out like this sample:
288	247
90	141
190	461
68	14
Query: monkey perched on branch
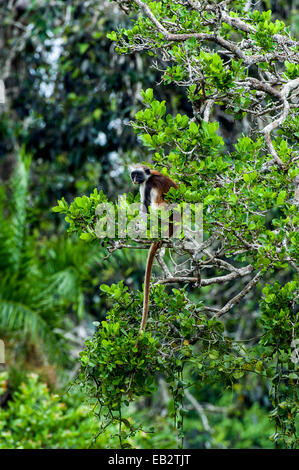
152	186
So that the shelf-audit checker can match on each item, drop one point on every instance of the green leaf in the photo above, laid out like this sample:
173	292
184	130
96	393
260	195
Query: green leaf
83	48
281	197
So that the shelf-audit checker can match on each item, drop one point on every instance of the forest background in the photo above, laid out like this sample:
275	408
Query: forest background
65	130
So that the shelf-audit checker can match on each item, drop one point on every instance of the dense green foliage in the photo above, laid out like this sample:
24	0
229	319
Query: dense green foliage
36	418
217	365
250	216
41	288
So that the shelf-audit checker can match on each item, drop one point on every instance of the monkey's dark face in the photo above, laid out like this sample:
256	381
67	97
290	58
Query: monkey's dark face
140	176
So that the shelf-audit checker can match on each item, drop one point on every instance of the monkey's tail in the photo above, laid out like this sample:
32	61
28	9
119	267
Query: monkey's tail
147	279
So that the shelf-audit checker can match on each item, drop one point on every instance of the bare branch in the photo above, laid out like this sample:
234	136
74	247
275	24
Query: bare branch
239	296
213	280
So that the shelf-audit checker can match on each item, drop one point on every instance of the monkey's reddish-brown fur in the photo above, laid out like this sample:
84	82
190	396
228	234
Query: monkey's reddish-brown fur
161	185
147	279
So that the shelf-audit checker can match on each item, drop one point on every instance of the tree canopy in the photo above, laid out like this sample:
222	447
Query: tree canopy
207	93
229	58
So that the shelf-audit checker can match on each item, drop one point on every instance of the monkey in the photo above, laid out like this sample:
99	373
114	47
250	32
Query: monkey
152	186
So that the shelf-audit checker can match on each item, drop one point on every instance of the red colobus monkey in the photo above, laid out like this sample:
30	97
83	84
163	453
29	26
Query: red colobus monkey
153	186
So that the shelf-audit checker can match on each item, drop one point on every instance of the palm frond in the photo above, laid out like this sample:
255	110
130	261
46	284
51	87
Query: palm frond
27	324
